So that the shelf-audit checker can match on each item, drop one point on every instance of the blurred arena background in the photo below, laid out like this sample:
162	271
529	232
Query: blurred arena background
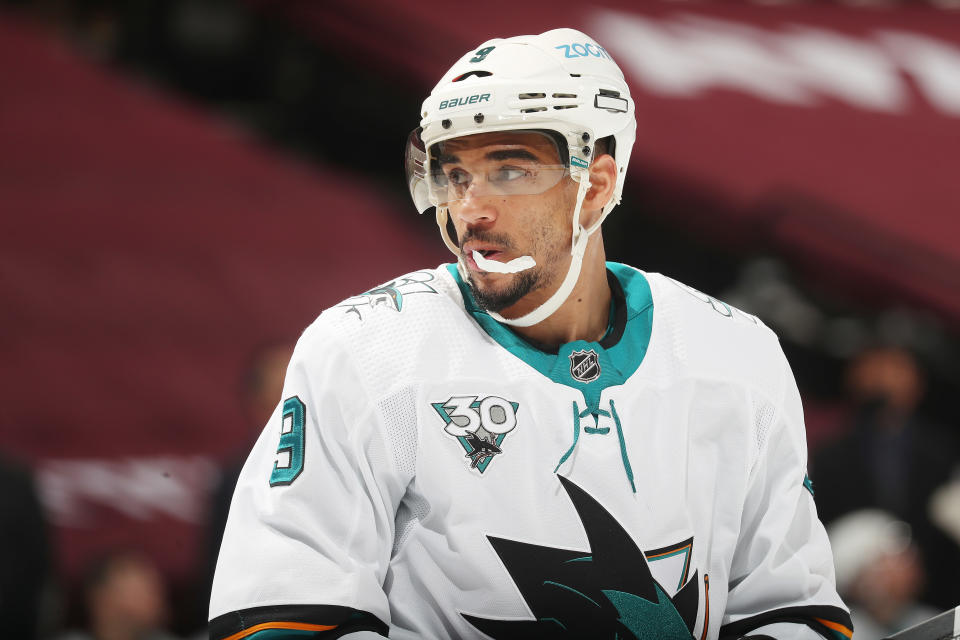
186	184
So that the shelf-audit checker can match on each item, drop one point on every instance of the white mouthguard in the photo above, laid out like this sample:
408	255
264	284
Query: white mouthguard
514	266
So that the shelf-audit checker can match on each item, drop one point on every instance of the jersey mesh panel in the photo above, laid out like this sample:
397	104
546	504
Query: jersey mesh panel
399	414
413	508
764	413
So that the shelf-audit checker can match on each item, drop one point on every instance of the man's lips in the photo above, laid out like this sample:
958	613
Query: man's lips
472	263
487	251
493	255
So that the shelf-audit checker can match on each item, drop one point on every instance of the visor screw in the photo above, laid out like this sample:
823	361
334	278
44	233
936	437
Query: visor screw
585	137
446	124
478	118
586	151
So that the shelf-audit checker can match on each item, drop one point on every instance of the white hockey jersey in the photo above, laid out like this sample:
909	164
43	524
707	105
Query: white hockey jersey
431	472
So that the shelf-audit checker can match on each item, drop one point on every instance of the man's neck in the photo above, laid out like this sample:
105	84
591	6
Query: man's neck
585	314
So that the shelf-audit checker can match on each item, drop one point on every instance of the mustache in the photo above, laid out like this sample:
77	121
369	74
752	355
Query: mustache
491	237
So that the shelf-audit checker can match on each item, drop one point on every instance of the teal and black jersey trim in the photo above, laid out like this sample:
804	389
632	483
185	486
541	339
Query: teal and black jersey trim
293	622
620	351
830	622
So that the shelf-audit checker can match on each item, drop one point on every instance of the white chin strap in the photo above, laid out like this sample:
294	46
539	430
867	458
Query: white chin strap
578	247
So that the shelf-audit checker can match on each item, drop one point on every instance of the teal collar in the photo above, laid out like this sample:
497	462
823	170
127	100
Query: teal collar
618	354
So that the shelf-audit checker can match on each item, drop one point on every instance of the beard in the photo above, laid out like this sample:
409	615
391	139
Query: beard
522	283
545	243
496	301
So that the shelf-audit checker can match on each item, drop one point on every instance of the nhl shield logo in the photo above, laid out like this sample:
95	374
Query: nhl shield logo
584	365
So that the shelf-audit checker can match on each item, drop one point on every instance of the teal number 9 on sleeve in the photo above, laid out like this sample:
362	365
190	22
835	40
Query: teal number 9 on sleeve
289	461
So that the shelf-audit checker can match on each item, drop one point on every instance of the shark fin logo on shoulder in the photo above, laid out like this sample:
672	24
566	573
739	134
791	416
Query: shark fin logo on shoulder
390	295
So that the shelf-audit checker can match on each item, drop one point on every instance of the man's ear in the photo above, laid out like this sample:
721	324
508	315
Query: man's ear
603	182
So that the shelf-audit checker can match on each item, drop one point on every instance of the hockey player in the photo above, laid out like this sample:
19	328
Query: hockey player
531	442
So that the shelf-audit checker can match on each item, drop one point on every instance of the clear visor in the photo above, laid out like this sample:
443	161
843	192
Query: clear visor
415	163
445	177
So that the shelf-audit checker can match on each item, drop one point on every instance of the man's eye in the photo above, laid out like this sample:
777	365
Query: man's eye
509	174
458	177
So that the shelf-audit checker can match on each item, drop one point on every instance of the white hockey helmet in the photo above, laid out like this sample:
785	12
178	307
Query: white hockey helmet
560	81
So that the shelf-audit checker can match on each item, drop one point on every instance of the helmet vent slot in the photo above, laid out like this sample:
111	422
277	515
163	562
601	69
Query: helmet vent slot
564	106
610	93
532	109
479	74
532	96
564	95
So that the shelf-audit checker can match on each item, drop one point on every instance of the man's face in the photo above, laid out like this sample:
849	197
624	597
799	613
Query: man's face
509	197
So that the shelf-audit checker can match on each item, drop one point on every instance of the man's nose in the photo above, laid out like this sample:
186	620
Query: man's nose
476	206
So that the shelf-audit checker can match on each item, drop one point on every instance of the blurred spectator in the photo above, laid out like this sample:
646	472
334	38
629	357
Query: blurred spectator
893	460
24	553
879	573
262	384
260	391
124	599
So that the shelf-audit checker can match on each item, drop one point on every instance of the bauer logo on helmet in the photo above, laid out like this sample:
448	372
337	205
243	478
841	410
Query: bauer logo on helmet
477	98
